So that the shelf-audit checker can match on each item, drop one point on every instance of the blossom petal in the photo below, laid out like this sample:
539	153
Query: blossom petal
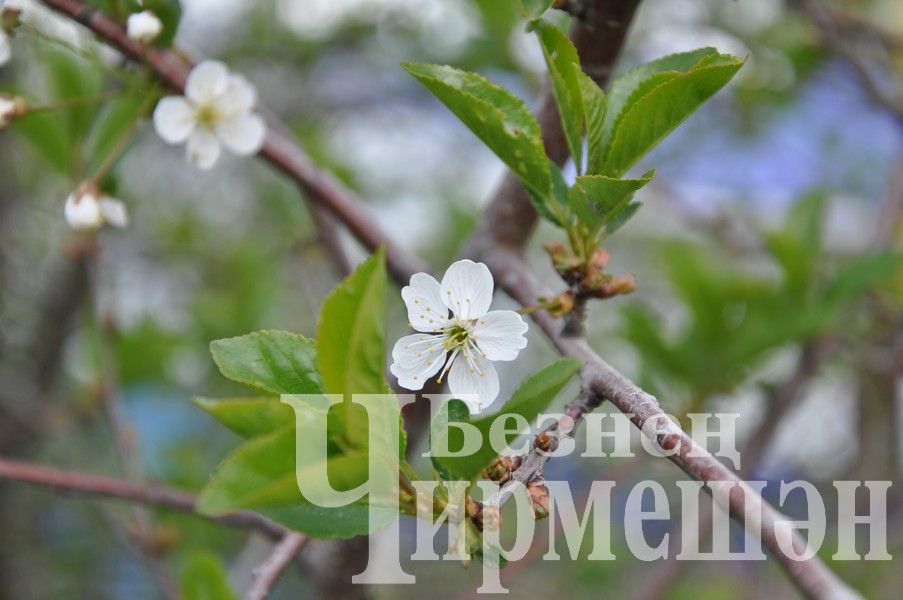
416	358
206	81
426	312
174	119
500	334
82	212
113	212
477	385
203	148
240	96
6	52
242	135
467	289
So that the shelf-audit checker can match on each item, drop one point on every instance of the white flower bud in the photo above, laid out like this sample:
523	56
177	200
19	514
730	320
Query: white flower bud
82	211
87	210
144	27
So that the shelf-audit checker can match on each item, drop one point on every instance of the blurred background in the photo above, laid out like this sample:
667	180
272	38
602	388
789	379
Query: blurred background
762	287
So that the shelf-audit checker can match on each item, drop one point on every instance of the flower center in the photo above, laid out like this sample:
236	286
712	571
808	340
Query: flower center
456	336
208	115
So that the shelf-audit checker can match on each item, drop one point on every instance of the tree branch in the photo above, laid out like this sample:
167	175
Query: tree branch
834	40
497	243
279	150
779	401
106	487
602	382
268	573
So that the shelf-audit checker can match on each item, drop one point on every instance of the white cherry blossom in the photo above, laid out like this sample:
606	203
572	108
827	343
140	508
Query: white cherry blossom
144	27
88	210
216	111
459	335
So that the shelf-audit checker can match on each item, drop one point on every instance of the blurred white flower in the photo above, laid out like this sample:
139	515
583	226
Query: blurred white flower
10	109
216	111
144	27
87	210
6	51
472	334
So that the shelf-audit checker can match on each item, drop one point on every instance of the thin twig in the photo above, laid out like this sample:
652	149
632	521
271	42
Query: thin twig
268	573
151	495
124	436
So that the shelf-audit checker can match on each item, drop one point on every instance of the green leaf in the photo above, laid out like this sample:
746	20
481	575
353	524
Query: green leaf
261	475
203	578
534	9
626	87
557	209
621	216
594	109
72	77
499	118
597	200
351	330
797	245
278	362
649	102
531	398
350	341
454	411
249	417
565	75
47	133
863	274
113	122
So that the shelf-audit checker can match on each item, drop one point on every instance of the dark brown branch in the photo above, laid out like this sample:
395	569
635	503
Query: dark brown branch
106	487
268	573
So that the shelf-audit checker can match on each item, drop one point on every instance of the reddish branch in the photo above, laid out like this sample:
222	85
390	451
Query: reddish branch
504	230
279	150
779	402
106	487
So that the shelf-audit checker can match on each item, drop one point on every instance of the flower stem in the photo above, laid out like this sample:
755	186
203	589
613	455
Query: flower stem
73	102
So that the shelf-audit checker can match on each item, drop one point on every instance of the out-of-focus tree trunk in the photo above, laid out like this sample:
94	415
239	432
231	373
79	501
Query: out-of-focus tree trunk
338	562
877	426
